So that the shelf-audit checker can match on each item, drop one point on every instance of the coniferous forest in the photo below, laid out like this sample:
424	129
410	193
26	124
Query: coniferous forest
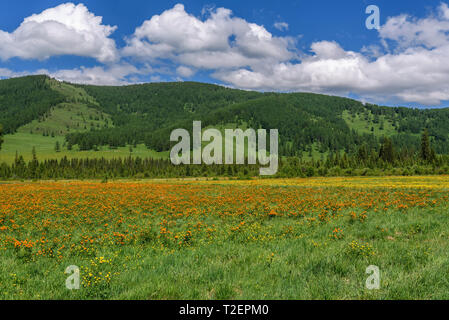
319	135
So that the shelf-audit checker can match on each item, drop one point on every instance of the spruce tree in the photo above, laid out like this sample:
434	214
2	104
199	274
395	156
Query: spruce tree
427	153
387	152
1	136
34	164
34	155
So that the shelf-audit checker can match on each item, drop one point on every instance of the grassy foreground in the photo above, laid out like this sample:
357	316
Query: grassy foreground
258	239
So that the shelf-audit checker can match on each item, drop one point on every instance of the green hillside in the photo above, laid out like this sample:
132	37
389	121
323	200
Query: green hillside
23	100
78	113
96	121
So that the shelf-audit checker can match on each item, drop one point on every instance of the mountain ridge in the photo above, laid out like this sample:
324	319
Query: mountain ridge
119	116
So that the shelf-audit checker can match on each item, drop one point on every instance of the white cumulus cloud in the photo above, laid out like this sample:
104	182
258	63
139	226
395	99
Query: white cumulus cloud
185	72
408	62
221	41
114	75
67	29
414	67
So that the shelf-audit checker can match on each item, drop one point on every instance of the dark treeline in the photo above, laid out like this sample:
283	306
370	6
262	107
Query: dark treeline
115	168
149	168
365	161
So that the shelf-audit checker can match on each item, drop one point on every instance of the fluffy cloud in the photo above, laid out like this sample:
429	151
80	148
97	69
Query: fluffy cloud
408	62
115	75
185	72
221	41
417	75
414	67
6	73
406	31
281	26
67	29
330	67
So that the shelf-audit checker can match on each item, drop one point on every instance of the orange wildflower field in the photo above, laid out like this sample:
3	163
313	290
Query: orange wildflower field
256	239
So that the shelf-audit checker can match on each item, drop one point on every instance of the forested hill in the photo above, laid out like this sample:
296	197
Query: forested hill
25	99
131	115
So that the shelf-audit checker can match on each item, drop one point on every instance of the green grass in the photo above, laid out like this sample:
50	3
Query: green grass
66	118
413	266
315	153
73	93
283	257
362	125
23	143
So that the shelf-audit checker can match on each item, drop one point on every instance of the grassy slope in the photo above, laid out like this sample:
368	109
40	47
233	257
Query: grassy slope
362	125
23	143
68	117
72	116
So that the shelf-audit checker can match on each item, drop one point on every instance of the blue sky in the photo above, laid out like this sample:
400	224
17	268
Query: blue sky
315	46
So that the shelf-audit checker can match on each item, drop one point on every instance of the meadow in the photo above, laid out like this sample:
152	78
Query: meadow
22	144
226	239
